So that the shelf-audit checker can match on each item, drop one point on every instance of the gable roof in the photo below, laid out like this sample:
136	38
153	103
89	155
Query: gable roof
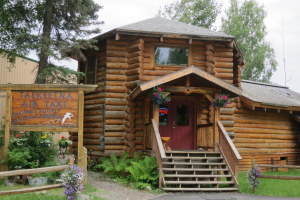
157	26
184	72
270	95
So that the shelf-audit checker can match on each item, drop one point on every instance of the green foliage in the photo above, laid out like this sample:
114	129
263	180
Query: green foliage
52	28
60	75
201	13
114	166
246	22
143	172
272	187
30	149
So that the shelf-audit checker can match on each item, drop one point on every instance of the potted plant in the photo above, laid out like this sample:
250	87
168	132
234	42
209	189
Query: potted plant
159	96
221	100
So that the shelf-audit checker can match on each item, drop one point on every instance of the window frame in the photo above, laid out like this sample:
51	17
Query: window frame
171	46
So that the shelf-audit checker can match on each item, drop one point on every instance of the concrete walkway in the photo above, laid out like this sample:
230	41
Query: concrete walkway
218	196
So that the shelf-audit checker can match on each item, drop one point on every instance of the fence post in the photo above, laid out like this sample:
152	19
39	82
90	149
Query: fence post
85	165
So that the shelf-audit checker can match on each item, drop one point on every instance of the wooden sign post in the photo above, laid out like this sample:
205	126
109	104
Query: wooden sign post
45	108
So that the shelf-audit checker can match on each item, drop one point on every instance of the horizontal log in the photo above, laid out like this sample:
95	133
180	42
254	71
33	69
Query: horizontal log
156	72
115	95
132	72
266	145
132	78
135	54
280	177
33	171
136	65
114	128
224	70
111	65
224	54
114	114
257	151
119	54
132	84
264	131
267	136
114	83
262	140
115	89
116	59
32	189
267	126
116	42
222	59
116	47
110	77
115	71
225	75
138	59
115	101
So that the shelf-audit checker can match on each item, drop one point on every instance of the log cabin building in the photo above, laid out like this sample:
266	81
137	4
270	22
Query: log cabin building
193	64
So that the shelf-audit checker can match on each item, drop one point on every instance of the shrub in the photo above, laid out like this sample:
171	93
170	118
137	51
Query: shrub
114	166
252	175
72	179
144	172
35	149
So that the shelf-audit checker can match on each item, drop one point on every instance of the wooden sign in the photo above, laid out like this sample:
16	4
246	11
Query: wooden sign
44	108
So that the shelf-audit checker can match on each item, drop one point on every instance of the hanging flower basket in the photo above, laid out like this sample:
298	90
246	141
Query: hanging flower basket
221	100
159	96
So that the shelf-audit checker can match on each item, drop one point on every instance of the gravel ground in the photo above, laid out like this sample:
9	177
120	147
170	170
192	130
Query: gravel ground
116	191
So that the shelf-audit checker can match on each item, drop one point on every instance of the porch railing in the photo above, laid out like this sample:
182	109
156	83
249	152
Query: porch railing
228	150
158	149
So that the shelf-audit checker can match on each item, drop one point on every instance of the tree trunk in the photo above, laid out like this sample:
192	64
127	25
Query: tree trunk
45	40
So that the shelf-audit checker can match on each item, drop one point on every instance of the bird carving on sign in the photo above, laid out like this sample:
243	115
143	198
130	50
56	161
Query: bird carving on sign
68	115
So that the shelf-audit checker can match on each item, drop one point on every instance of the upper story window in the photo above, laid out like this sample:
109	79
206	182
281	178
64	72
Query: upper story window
91	70
171	56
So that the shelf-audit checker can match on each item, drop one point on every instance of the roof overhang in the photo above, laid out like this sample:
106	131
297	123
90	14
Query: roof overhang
247	102
232	90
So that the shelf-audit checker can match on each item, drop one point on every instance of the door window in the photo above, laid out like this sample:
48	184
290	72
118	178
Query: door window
182	115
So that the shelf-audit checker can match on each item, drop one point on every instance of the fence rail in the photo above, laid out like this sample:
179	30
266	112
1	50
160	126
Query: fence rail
279	177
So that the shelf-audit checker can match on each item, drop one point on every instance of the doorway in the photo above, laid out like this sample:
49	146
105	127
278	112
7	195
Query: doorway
176	120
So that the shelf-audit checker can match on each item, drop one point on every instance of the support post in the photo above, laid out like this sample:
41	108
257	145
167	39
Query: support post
155	111
216	130
80	128
7	125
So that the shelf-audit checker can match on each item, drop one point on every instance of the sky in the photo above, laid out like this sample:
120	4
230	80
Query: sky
282	23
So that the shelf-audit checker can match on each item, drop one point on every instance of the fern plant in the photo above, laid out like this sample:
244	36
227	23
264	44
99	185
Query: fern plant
144	172
113	165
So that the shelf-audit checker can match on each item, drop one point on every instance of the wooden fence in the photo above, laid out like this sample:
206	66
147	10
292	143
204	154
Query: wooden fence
42	170
280	177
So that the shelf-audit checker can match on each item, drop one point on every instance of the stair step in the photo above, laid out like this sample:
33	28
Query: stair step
193	152
199	182
195	176
193	169
193	158
201	189
187	163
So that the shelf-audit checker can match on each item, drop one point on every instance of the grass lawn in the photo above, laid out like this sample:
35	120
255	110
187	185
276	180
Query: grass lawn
55	194
273	187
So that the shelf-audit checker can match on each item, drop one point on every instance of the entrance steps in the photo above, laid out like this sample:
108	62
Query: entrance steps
197	171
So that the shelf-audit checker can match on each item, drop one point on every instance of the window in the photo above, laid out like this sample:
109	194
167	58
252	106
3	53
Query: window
171	56
182	115
91	69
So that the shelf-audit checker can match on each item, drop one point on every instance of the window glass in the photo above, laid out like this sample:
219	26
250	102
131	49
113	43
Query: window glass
90	71
171	56
163	115
182	115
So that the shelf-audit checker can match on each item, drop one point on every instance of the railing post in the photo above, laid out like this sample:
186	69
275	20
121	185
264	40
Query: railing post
216	129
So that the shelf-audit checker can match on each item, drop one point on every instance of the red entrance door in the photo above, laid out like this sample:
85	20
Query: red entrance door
176	120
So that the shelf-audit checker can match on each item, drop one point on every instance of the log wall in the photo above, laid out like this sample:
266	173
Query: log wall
125	62
265	135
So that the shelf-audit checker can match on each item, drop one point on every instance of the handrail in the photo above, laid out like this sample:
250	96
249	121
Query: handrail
158	140
229	141
157	148
228	149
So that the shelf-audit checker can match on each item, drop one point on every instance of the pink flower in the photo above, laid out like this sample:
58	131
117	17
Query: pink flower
160	89
18	136
224	98
155	94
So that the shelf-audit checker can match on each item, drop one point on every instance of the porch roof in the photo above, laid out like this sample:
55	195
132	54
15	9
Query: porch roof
234	91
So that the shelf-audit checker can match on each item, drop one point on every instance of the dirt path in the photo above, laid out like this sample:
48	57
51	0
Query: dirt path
116	191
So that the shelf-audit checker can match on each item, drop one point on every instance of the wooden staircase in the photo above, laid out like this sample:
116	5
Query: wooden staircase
196	171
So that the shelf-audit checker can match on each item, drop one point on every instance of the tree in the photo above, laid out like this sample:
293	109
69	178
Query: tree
53	28
201	13
246	23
